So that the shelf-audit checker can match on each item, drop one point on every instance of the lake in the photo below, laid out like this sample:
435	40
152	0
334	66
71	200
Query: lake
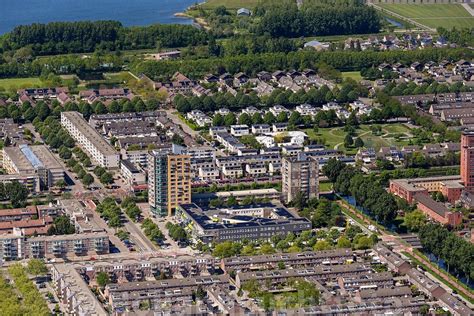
129	12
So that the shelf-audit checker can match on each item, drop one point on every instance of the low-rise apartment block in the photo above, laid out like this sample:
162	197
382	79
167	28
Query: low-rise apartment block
34	160
99	150
256	222
17	246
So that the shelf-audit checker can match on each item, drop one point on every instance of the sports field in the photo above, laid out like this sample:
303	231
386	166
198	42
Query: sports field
434	15
18	83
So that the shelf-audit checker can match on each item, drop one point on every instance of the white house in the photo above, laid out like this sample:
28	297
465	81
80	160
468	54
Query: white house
239	130
306	109
261	129
277	109
266	141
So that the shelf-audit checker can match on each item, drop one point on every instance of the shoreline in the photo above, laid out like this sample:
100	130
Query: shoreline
199	21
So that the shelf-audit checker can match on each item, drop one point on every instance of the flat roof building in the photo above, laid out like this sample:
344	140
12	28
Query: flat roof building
254	222
16	246
33	160
99	150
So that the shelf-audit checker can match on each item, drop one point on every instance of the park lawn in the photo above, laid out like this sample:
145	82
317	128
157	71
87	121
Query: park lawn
230	4
17	83
123	76
334	136
352	74
434	15
325	186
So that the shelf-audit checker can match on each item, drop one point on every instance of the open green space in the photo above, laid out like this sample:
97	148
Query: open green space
434	15
334	137
325	186
230	4
353	75
18	83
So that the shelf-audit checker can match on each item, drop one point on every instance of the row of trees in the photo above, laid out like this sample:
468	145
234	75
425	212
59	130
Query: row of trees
426	88
87	36
456	252
32	302
111	212
348	181
323	239
420	160
252	64
152	231
24	65
131	209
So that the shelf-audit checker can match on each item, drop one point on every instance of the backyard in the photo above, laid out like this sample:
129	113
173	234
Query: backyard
390	135
433	15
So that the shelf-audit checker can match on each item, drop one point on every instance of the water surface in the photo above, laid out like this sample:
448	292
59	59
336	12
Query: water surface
129	12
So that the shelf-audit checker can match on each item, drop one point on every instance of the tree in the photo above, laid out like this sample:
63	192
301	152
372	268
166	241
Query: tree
299	201
415	220
333	168
245	119
282	117
36	267
257	118
322	245
17	193
177	139
359	142
87	179
106	178
362	242
231	201
62	226
61	184
102	279
269	118
348	141
200	293
217	120
229	119
343	242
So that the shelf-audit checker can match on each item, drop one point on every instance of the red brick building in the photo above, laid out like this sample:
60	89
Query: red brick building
449	186
437	211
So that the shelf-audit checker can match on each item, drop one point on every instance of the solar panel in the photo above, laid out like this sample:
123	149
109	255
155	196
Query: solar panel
30	155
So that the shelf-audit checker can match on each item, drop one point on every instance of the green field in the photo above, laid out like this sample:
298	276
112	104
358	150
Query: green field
334	137
352	74
18	83
433	15
230	4
325	186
